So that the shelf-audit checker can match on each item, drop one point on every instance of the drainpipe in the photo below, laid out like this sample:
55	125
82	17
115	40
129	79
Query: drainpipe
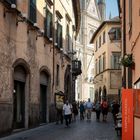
124	42
54	39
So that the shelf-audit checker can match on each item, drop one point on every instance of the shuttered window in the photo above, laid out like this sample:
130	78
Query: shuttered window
59	36
32	11
48	24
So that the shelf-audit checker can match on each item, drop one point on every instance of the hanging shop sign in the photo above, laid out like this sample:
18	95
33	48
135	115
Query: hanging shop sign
59	100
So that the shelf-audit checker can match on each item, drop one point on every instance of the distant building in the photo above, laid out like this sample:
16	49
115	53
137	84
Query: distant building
102	9
90	21
107	53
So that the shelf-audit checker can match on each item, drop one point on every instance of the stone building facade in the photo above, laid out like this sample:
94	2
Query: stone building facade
107	53
90	20
130	19
35	37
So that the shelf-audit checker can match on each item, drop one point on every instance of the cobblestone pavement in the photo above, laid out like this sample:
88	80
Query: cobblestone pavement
79	130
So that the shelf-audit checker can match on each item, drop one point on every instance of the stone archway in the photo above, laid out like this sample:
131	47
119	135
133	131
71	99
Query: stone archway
100	94
44	78
45	97
104	92
21	74
19	97
96	96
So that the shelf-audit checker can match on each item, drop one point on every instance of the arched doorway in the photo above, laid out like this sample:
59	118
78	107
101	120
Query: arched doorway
43	96
100	94
104	92
19	97
96	96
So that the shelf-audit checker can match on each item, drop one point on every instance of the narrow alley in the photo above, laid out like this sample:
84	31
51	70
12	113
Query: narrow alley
79	130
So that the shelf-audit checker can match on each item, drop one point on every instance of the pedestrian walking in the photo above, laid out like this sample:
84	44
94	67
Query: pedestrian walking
115	110
74	110
67	108
82	110
98	110
89	107
104	107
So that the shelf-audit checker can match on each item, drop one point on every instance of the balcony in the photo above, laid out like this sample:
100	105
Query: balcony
76	67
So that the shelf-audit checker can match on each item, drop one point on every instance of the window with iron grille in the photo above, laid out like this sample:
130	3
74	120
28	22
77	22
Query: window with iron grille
32	11
59	35
48	24
11	1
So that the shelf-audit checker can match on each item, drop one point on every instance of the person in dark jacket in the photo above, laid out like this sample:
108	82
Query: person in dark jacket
98	110
82	110
74	110
115	110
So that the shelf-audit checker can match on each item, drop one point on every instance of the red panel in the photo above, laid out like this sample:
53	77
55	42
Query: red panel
127	114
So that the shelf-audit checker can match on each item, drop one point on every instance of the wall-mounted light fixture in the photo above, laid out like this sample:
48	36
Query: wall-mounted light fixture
40	33
10	10
21	18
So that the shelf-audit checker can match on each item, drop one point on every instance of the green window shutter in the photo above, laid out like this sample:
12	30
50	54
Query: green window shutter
48	24
59	36
32	12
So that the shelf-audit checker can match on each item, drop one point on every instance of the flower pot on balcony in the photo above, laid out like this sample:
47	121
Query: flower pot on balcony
127	61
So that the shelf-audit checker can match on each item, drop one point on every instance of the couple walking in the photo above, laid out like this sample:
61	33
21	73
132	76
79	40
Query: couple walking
101	107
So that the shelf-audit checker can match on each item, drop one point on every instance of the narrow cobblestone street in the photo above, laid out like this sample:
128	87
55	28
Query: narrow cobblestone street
79	130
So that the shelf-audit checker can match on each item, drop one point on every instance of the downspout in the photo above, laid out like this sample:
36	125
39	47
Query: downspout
124	42
54	39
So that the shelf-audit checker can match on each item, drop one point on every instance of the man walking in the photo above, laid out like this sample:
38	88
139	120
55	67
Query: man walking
67	108
89	107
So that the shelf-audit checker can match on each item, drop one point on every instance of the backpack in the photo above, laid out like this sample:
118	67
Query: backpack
105	105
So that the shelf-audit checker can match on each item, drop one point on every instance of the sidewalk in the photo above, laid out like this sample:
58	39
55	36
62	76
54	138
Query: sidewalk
79	130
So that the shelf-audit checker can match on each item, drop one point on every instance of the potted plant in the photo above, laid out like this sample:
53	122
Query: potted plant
127	61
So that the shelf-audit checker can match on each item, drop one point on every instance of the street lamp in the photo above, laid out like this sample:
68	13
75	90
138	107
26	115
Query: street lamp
112	34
